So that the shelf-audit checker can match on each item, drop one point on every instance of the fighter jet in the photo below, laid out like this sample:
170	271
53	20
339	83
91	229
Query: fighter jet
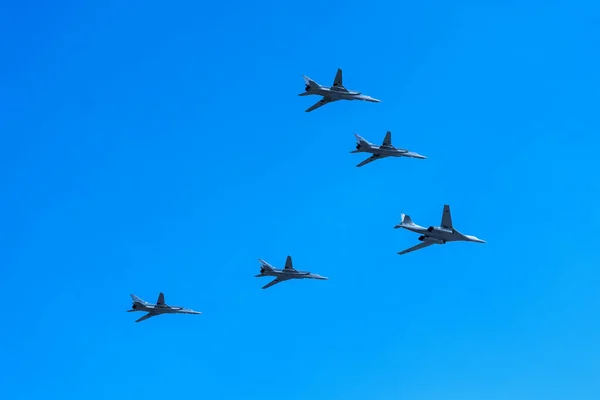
435	234
157	309
333	93
288	272
385	150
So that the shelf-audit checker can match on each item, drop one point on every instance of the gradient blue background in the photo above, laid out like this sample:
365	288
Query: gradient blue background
161	146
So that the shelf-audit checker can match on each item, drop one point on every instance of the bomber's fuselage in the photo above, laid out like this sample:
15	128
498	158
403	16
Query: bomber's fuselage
156	309
384	151
436	234
340	94
289	274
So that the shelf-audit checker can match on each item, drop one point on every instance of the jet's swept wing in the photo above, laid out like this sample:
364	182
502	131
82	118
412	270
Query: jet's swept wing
370	159
274	282
320	103
387	140
446	217
338	78
149	315
421	245
288	264
161	299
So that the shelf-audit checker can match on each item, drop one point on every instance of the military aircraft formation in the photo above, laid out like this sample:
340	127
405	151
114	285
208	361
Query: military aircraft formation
432	235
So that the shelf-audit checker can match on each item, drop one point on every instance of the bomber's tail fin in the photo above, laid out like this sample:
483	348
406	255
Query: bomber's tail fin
136	299
264	266
405	220
310	84
446	218
360	143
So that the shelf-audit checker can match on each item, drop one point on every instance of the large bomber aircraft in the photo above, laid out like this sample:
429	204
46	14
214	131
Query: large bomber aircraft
385	150
157	309
435	234
332	93
288	272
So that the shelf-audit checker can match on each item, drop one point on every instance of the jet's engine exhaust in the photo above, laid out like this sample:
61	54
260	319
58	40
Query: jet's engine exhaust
424	238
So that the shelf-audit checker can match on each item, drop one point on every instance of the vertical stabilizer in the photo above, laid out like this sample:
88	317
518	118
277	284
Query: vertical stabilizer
387	140
446	218
338	78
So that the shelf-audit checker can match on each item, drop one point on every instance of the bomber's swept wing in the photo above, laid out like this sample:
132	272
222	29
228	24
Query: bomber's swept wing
421	245
149	315
370	159
275	282
288	264
446	217
320	103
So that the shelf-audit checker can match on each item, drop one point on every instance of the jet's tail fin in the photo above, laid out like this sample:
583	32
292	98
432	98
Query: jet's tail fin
265	266
361	143
405	220
310	84
360	139
446	218
137	299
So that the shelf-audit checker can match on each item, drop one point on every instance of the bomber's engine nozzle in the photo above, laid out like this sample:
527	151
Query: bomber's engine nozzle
424	238
357	146
307	88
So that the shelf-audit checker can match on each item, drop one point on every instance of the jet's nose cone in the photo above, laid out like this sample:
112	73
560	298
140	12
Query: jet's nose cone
398	226
475	239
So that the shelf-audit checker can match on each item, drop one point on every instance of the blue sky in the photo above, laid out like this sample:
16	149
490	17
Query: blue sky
154	147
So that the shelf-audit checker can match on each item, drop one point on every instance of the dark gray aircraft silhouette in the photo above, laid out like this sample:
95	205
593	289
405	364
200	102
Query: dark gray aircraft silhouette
288	272
386	149
333	93
157	309
435	234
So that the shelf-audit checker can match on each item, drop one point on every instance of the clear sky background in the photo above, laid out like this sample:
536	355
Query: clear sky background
161	146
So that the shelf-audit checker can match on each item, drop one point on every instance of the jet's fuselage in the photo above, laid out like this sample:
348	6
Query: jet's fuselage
290	274
384	151
159	309
340	94
436	233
